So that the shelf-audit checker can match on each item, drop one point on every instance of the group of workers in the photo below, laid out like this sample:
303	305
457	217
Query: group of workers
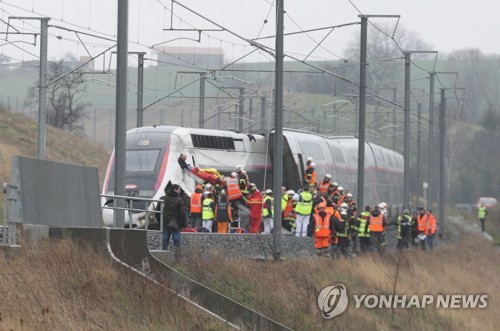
322	210
215	205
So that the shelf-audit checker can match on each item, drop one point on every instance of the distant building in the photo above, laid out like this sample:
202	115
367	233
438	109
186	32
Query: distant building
205	57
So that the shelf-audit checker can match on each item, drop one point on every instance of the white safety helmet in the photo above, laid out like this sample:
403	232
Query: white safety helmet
234	174
349	195
340	188
309	158
208	186
335	184
328	176
290	192
239	167
344	206
382	205
269	191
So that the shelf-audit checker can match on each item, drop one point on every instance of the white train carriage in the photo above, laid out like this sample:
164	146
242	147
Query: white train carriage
152	161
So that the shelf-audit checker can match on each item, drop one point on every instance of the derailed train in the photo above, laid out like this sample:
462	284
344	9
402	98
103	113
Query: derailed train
152	161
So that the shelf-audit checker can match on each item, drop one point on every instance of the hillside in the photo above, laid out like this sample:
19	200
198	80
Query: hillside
19	136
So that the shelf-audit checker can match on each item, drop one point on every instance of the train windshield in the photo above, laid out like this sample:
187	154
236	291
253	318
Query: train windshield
143	160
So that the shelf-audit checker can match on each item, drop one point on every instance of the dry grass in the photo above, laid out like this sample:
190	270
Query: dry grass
59	286
288	291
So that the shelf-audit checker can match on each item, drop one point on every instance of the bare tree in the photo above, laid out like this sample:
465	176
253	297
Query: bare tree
478	78
384	47
65	91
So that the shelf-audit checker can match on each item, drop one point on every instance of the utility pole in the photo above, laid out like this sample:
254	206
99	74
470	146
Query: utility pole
278	131
406	179
362	104
419	112
362	110
442	140
240	109
262	113
202	101
121	111
431	140
42	80
394	119
42	92
140	87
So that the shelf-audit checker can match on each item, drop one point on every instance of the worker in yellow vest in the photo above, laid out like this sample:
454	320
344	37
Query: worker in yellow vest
481	214
208	212
303	209
364	230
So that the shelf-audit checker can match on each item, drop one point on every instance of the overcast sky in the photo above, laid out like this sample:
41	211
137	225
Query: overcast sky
446	25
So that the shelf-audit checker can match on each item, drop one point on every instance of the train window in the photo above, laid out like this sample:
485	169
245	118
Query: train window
212	142
312	149
143	160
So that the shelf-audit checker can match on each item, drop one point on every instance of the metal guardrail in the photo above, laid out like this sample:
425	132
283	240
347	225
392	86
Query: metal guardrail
129	200
130	210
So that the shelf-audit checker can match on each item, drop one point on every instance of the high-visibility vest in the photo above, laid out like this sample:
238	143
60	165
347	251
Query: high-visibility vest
265	212
288	213
344	223
304	205
341	199
323	187
311	180
481	212
207	212
329	210
322	226
377	223
196	202
406	220
363	229
284	202
422	223
233	189
431	224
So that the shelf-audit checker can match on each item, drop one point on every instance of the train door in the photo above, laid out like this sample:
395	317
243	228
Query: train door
291	175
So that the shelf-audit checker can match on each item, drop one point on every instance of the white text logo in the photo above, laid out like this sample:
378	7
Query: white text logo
332	300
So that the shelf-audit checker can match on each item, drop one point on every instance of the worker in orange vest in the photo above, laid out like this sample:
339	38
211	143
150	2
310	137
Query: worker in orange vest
334	193
377	229
325	184
288	212
422	227
322	230
195	209
431	229
310	175
233	187
254	202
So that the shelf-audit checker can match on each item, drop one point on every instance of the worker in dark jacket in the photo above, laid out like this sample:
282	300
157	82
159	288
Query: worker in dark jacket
174	218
